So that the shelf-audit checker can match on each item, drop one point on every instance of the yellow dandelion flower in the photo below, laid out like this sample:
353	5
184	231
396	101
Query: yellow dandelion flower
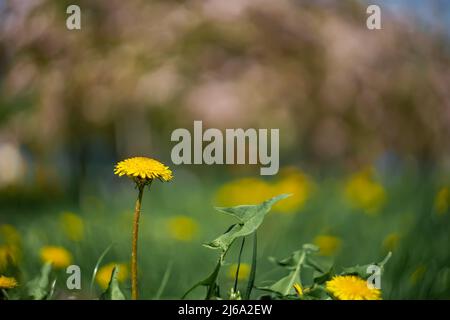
7	282
104	274
72	226
58	256
243	191
418	274
292	181
442	201
9	234
327	244
363	192
298	289
244	271
182	228
143	170
352	288
391	241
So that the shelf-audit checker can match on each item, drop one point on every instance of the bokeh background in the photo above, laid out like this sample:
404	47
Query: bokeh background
364	119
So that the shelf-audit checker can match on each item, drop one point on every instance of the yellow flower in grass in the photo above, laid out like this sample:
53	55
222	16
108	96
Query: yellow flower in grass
7	282
182	228
243	191
72	226
244	271
143	169
58	256
104	274
292	181
364	192
442	201
327	244
351	288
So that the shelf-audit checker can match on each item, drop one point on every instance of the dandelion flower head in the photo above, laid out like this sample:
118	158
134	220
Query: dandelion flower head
143	170
352	288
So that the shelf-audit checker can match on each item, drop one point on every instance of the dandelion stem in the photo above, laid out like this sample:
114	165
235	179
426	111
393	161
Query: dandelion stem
137	213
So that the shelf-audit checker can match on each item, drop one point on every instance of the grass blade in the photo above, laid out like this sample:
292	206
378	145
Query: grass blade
99	261
164	281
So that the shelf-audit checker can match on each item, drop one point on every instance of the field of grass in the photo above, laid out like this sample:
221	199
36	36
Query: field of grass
353	218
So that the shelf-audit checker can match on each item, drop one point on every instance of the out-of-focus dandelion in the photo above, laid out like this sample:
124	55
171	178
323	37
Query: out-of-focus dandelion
328	245
182	228
292	181
364	192
7	282
103	275
58	256
244	271
417	274
442	201
243	191
352	288
72	226
391	241
142	171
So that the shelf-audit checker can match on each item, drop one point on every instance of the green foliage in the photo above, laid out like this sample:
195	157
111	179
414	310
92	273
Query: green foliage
294	264
361	271
249	217
39	288
309	270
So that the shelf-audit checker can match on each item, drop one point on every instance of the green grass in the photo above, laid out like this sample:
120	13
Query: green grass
424	236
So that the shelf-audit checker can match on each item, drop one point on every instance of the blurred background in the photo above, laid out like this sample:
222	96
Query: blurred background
364	118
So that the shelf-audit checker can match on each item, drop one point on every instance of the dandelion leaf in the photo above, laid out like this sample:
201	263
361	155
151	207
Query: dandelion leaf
113	291
210	282
361	271
39	287
294	263
249	219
